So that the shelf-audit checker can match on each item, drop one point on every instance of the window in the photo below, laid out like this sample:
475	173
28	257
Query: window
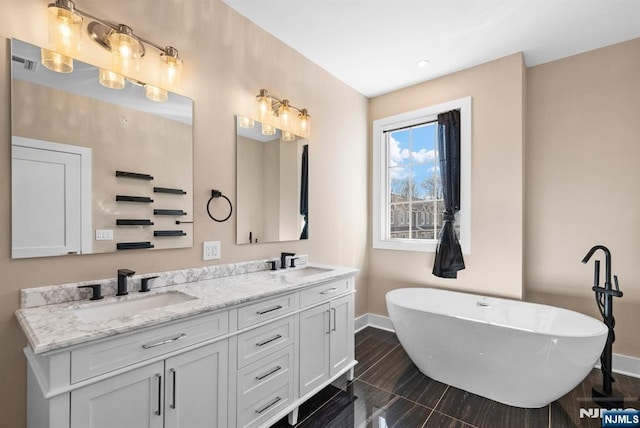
406	179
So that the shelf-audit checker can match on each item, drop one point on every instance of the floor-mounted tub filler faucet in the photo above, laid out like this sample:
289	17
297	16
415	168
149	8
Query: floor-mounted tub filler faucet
604	300
123	274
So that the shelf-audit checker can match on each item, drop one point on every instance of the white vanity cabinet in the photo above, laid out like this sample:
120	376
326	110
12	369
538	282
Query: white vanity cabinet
132	399
188	390
246	366
326	338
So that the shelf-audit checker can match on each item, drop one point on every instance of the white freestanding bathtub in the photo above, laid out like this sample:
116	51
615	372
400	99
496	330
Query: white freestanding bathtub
520	354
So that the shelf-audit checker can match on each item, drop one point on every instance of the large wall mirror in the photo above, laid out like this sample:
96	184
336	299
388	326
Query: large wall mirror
273	181
94	169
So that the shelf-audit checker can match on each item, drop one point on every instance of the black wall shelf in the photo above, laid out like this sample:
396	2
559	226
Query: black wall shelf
133	245
133	222
169	233
169	212
135	175
124	198
169	190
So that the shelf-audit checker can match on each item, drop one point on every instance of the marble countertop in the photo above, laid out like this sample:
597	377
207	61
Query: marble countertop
57	326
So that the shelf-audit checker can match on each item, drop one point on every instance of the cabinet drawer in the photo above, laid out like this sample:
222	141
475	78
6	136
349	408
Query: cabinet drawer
260	404
267	309
261	341
112	354
323	292
266	370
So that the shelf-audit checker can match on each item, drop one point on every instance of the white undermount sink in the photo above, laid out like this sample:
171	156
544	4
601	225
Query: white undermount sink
303	271
98	312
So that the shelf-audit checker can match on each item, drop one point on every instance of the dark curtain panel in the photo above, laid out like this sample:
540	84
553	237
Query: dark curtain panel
304	192
448	253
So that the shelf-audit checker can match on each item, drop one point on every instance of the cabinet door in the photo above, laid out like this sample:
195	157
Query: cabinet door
342	336
314	347
196	387
130	400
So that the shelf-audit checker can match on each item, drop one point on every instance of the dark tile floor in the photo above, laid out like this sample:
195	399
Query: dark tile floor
389	391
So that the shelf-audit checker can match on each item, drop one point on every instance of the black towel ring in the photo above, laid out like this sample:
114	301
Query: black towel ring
218	194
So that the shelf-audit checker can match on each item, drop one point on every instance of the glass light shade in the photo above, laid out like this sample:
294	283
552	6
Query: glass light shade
110	79
245	122
171	70
65	27
288	136
126	50
304	123
284	113
264	106
156	94
268	129
56	62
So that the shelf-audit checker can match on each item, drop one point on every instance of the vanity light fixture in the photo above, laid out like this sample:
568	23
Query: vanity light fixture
276	112
126	47
65	25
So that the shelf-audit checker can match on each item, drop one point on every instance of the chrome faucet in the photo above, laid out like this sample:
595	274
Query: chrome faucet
283	259
123	274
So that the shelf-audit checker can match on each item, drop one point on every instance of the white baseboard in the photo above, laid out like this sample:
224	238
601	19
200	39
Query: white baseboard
372	320
622	364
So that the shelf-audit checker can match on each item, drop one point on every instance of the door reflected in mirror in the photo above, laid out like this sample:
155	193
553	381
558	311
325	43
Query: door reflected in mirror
272	185
70	136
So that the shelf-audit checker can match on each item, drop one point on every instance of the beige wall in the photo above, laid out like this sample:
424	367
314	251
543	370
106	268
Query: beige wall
583	150
227	60
495	263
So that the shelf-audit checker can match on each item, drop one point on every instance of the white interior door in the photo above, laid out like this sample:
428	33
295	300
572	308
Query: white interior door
46	202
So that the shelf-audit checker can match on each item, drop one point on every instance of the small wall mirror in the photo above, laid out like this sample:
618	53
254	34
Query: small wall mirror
94	169
272	178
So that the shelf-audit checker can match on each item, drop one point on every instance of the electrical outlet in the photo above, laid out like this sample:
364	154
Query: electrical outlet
211	250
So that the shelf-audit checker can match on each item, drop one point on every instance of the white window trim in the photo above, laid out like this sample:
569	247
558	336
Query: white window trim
380	179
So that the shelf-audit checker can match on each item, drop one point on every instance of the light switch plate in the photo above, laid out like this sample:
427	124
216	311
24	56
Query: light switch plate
104	235
211	250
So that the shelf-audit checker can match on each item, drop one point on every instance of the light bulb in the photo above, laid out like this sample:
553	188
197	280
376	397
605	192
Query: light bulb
171	68
65	26
304	123
284	113
126	49
264	105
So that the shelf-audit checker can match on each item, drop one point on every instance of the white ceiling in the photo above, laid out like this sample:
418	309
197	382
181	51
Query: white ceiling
374	45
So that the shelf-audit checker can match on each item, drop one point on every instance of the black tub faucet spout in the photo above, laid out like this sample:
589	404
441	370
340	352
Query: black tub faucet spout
607	255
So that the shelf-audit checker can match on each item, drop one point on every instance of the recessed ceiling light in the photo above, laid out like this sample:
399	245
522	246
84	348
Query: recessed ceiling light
422	63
